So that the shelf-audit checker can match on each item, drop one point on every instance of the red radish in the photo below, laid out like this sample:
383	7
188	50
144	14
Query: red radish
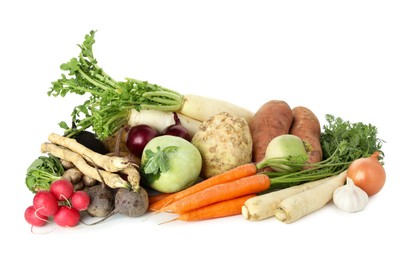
62	189
67	217
34	218
45	203
80	200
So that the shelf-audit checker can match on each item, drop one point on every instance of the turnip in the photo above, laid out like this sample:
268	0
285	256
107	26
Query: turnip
34	218
45	203
62	189
170	163
285	153
67	216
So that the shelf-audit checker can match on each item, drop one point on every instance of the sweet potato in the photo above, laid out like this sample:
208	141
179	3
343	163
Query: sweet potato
271	120
306	126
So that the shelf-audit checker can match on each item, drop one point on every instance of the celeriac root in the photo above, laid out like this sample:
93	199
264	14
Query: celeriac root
308	201
108	163
111	179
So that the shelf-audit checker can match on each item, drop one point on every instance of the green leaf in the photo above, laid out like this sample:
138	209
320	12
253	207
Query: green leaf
72	66
42	172
63	125
157	162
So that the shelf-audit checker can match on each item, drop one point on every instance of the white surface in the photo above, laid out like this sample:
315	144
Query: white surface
352	59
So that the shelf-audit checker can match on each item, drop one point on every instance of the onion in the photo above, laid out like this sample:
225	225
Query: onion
177	129
368	174
138	136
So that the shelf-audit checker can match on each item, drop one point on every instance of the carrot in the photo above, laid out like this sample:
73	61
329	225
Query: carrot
154	198
308	201
228	176
217	210
271	120
306	125
225	191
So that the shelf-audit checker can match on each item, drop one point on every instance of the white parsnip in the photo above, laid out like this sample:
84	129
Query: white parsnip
113	180
264	206
133	177
308	201
161	119
109	163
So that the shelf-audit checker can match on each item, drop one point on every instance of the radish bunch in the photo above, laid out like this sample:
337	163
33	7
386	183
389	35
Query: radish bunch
61	203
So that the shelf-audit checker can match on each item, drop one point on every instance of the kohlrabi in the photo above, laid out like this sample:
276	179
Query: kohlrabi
170	163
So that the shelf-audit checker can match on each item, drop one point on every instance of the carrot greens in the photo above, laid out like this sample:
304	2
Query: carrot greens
342	142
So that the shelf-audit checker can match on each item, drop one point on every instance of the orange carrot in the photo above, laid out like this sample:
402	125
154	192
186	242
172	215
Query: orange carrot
230	175
157	197
220	192
217	210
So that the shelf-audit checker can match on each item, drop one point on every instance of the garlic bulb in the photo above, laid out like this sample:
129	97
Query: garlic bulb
350	198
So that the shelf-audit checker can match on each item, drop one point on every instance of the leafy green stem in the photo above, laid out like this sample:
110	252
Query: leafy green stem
109	99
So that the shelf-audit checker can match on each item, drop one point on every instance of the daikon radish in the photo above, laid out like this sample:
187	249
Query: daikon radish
161	119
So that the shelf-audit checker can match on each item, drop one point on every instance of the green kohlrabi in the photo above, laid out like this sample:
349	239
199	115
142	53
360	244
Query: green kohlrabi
170	163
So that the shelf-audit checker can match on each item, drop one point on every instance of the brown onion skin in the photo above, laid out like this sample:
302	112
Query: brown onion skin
368	174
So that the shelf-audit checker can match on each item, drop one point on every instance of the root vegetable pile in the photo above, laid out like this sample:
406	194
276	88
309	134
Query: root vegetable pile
203	157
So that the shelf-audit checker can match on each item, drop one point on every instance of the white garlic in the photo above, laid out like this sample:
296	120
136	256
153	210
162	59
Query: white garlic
350	198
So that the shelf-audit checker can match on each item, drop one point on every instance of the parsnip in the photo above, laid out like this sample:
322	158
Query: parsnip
133	177
161	119
109	163
264	206
111	179
308	201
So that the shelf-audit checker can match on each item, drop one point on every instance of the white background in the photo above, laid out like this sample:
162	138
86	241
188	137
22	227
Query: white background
352	59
